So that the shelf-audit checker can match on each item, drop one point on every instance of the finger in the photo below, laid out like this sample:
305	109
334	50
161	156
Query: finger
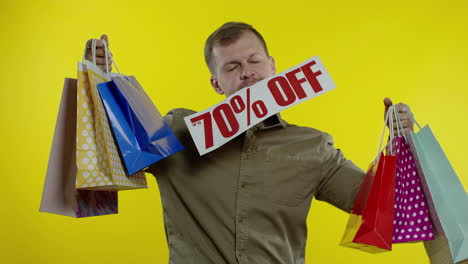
395	123
404	116
405	124
406	131
99	44
88	56
402	109
88	43
104	68
102	61
387	102
106	38
99	60
100	53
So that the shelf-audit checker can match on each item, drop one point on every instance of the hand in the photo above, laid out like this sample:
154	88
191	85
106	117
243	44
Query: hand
100	53
405	118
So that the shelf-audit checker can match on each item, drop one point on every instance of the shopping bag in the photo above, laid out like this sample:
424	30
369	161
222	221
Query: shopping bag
59	195
142	134
438	250
99	163
447	199
411	217
370	224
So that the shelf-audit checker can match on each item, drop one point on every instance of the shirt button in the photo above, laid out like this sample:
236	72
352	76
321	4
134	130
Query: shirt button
242	185
240	220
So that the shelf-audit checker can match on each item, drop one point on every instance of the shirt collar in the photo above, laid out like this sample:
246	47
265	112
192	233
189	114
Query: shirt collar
271	122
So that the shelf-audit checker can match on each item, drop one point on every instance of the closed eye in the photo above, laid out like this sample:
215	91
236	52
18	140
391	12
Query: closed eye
231	68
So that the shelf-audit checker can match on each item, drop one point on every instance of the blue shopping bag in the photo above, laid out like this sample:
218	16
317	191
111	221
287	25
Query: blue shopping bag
448	201
142	135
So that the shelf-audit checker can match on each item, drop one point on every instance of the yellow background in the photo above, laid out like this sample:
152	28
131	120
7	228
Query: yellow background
411	51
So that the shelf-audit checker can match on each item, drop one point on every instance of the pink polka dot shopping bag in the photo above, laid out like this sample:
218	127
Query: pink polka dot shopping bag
446	198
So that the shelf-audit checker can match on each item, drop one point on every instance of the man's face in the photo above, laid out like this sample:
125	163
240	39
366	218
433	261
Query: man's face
240	64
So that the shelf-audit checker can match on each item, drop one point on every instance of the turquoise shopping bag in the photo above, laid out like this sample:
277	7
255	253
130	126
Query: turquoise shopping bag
448	201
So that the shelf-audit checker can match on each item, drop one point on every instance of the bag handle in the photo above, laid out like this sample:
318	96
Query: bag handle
399	124
387	119
391	111
93	52
108	55
411	115
395	115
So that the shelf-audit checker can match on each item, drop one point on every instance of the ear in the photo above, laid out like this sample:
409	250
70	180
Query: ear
273	65
215	84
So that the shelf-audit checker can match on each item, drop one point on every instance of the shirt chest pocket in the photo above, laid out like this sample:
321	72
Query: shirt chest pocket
286	181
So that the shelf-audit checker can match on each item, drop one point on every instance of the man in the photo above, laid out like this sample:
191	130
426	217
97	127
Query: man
247	202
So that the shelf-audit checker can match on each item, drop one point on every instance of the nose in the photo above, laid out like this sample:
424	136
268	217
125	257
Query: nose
246	73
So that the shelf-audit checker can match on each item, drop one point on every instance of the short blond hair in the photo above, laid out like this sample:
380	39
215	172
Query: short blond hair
225	35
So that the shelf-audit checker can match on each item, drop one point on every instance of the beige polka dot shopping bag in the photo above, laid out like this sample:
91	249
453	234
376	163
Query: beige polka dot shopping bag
99	164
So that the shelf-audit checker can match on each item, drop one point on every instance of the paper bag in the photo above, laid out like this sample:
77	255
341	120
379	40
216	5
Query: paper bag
59	195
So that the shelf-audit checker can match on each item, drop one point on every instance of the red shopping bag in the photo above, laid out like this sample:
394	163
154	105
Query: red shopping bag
371	222
370	226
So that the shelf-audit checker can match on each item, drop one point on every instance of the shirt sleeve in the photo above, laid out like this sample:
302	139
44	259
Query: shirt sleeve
341	178
175	119
168	118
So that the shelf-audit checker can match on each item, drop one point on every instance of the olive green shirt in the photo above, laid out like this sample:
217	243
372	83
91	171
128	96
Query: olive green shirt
247	201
